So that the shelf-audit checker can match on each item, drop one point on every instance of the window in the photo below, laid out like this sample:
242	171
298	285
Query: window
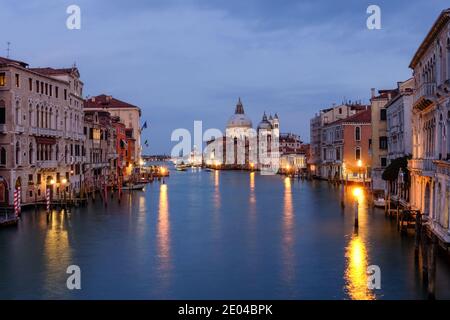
358	153
358	133
17	78
383	114
56	92
338	154
38	179
30	155
30	84
46	88
65	94
383	143
340	110
42	87
2	79
51	90
18	113
3	156
383	162
2	112
37	86
17	153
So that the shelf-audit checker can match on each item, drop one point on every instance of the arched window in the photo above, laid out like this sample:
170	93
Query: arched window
37	116
3	156
2	112
30	153
358	153
17	153
358	133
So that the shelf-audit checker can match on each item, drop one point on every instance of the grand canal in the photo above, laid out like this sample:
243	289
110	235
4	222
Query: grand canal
213	235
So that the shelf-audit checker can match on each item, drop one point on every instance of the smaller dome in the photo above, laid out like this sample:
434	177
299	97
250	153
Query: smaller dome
264	124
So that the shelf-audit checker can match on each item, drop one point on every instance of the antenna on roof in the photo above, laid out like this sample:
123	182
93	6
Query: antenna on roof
8	49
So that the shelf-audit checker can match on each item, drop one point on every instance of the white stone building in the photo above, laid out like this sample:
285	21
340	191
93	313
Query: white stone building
399	116
41	131
430	166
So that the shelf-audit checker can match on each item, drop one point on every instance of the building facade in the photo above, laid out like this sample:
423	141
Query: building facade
41	132
399	117
129	114
430	166
379	140
345	148
317	123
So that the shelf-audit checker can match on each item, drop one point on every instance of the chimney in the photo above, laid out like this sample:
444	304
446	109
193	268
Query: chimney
373	92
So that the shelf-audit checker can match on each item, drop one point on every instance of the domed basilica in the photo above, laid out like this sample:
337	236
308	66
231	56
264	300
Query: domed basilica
243	146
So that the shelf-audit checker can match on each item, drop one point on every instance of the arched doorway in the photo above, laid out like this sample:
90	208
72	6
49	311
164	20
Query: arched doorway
3	192
427	199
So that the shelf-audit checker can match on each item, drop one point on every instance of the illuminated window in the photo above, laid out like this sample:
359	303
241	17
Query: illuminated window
17	77
2	79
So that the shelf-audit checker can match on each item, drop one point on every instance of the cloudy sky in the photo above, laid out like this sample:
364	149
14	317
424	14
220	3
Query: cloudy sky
186	60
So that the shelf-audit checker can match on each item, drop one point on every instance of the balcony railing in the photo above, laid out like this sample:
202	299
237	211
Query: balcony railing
46	132
47	164
424	165
425	95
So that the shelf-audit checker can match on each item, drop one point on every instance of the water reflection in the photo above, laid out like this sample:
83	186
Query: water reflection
356	255
288	234
163	231
57	250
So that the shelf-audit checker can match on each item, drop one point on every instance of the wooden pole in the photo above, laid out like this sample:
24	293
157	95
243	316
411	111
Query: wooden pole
356	214
424	239
417	236
343	196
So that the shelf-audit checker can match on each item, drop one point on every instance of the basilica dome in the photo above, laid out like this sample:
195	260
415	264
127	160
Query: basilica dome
239	119
264	124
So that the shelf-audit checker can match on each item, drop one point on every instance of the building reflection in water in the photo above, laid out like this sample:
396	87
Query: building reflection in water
356	255
288	234
216	189
57	251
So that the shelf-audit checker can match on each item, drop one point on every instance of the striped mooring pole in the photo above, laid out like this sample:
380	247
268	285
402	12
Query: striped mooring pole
16	202
47	197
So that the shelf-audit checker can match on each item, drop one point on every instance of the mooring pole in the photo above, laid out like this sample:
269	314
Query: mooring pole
432	270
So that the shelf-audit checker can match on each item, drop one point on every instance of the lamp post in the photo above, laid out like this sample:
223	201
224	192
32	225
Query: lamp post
63	183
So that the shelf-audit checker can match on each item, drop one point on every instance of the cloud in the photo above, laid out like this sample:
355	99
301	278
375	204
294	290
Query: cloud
189	60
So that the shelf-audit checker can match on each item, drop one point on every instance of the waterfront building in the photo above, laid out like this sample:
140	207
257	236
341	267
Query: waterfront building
121	148
379	140
324	117
129	114
345	148
41	131
430	164
399	117
101	152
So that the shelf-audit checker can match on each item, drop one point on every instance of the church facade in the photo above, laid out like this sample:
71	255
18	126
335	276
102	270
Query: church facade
244	147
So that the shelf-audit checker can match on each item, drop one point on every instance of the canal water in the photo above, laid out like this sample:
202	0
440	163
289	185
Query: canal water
214	235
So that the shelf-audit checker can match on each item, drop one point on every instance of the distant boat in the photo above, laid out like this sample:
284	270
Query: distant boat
134	186
180	168
379	202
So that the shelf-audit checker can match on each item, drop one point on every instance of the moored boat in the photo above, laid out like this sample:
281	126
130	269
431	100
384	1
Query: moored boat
134	186
379	202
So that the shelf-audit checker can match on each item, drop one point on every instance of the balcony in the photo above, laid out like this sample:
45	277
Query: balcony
425	96
46	132
47	164
19	129
3	128
426	166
